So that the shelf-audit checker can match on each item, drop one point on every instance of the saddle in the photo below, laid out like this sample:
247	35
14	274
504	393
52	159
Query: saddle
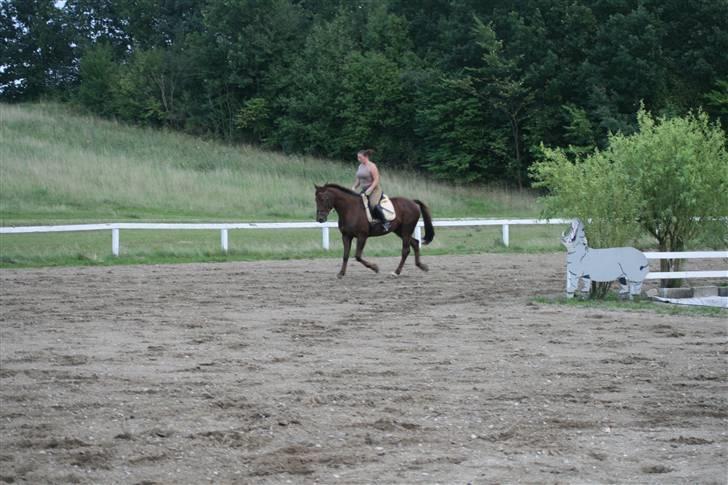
385	208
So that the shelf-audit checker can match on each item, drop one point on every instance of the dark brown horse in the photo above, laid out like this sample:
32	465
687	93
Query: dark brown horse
353	223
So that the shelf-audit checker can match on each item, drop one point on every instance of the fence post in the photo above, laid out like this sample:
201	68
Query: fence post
224	240
418	233
115	241
506	236
325	231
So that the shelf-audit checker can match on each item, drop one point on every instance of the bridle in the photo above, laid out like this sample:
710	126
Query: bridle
323	209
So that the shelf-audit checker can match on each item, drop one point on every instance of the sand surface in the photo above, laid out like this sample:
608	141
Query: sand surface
277	372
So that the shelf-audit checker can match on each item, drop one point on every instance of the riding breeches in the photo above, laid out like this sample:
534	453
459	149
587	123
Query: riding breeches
375	197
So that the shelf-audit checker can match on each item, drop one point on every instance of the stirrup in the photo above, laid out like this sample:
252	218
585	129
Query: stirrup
381	222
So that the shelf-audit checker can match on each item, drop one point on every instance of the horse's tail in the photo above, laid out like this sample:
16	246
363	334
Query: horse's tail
429	230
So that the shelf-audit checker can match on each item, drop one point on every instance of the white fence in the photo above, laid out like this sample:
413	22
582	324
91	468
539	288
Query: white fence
657	275
224	229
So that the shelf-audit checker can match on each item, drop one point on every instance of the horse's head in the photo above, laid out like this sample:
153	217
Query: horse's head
576	235
324	203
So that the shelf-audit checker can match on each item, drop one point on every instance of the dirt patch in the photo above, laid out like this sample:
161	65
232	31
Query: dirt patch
276	371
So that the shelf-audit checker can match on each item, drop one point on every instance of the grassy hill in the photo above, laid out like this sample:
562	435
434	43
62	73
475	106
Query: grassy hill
61	166
57	166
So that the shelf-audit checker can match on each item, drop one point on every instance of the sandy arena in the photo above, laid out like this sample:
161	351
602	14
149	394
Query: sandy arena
277	372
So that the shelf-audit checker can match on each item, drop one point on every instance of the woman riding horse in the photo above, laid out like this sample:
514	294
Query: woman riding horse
353	223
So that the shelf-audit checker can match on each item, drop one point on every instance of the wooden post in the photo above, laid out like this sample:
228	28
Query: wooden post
224	240
115	241
325	235
506	235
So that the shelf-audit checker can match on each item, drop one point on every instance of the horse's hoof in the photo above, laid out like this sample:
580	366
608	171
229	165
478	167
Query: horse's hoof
394	273
339	275
423	267
375	268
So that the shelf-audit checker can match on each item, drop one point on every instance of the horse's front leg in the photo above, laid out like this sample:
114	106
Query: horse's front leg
360	243
405	253
347	250
585	285
572	282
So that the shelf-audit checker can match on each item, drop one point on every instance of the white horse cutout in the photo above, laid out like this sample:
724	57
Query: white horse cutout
628	265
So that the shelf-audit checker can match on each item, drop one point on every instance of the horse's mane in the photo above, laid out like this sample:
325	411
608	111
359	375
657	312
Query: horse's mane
339	187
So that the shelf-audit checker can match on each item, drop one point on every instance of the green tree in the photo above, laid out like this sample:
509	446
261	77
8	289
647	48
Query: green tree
253	45
694	46
36	49
462	143
254	117
147	89
352	87
630	60
679	167
578	130
102	22
717	100
473	125
504	87
312	120
373	98
98	80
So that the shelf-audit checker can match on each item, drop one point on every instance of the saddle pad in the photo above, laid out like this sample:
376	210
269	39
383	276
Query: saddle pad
387	208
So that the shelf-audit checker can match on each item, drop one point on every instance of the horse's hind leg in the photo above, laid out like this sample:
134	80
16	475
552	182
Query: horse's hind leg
635	288
405	252
623	287
416	246
360	242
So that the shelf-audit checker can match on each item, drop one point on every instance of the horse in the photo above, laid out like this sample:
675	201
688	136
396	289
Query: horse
353	223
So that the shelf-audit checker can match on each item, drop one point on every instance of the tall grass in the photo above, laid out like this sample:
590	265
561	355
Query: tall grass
60	166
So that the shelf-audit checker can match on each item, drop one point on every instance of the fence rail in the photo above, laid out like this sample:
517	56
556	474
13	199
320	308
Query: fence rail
665	275
224	229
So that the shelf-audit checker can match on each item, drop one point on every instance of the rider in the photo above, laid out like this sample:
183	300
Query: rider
367	182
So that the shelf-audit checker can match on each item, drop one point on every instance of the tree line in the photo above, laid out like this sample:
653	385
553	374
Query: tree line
466	90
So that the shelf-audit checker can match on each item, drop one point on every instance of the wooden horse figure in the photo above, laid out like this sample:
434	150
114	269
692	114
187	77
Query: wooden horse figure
626	265
353	223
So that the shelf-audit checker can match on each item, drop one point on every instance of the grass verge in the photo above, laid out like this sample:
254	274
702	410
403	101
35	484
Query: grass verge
171	246
613	302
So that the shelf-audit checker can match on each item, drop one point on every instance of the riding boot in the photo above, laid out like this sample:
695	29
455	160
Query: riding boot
380	215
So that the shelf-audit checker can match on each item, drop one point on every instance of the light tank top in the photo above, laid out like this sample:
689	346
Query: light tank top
364	176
